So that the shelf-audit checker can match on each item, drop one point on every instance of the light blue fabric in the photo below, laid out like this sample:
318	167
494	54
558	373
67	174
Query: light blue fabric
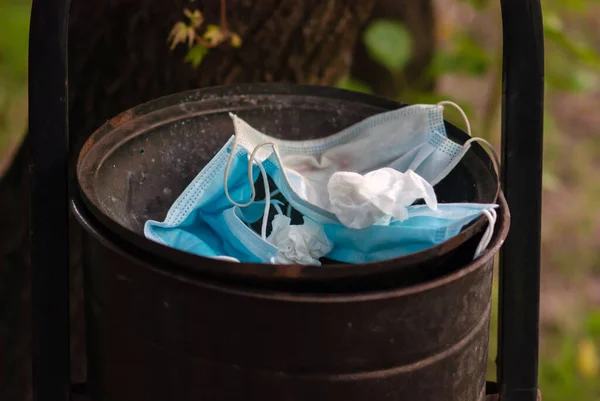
423	229
203	221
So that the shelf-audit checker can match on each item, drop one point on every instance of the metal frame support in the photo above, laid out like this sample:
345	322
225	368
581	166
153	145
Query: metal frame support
522	143
522	119
49	201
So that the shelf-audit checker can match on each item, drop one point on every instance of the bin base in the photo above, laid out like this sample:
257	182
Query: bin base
491	392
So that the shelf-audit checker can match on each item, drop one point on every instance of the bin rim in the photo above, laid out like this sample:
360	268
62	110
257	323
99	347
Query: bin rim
245	289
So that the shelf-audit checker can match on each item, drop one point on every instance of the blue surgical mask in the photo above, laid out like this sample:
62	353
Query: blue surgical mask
423	229
204	222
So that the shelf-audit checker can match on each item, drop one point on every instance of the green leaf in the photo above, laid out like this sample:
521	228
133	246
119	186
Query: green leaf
236	40
354	84
214	35
196	54
555	33
389	43
181	33
550	181
196	18
14	26
465	57
478	4
593	324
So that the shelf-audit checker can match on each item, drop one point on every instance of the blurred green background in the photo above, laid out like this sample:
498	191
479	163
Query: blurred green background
466	69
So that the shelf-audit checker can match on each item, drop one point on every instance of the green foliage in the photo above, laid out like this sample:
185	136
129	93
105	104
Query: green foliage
354	84
478	5
198	44
570	367
196	54
388	43
466	57
592	324
572	63
14	25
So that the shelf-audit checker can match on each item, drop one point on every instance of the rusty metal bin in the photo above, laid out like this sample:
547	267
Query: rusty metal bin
158	333
158	329
236	331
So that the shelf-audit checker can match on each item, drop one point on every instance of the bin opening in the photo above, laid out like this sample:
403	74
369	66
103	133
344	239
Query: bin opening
134	167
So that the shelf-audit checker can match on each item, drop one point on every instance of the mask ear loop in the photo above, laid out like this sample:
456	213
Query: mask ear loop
460	110
263	231
485	240
489	232
490	214
226	258
496	159
278	208
226	178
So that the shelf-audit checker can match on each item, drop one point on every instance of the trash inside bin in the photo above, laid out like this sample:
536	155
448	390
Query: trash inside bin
135	167
344	216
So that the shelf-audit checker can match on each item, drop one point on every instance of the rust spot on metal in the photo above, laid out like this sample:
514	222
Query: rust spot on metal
121	118
289	271
86	147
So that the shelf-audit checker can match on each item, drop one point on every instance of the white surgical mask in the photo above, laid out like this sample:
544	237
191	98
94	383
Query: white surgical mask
411	138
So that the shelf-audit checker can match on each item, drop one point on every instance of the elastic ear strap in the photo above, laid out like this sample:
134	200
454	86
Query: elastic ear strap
489	232
251	182
263	230
460	110
495	158
226	178
473	139
226	258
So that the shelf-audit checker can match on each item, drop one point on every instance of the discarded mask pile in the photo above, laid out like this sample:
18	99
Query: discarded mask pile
362	195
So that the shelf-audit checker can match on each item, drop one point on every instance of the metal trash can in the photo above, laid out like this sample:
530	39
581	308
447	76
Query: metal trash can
384	333
188	337
158	329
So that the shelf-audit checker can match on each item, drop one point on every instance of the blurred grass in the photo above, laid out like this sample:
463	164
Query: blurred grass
569	364
14	27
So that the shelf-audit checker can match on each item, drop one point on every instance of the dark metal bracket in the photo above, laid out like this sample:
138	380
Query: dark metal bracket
48	169
522	134
522	141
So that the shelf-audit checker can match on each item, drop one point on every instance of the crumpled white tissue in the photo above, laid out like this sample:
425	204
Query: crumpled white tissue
360	201
298	244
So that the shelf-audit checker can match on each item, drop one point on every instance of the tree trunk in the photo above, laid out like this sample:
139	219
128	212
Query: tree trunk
123	59
119	57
